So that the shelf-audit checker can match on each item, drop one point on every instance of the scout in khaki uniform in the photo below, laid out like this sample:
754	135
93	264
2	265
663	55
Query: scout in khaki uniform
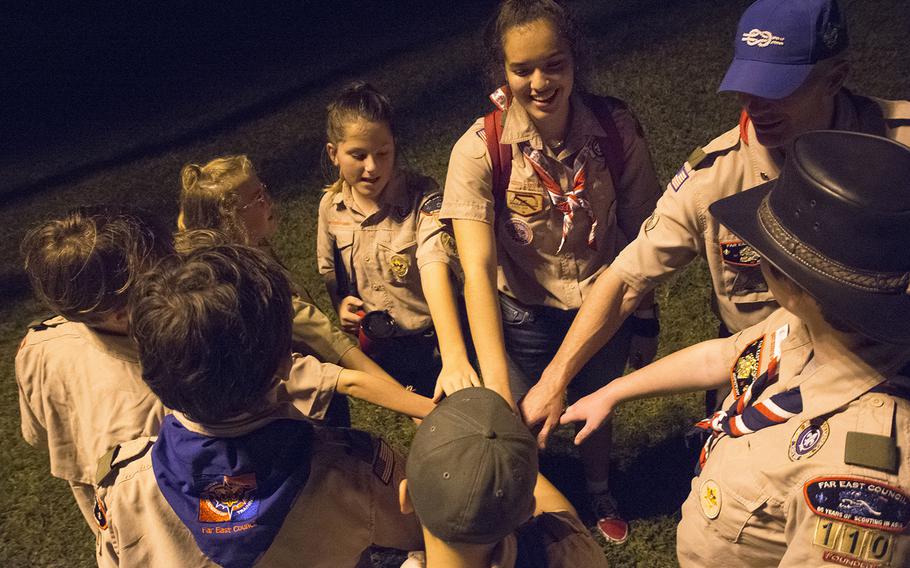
227	195
501	513
788	73
387	259
235	477
533	242
807	463
80	389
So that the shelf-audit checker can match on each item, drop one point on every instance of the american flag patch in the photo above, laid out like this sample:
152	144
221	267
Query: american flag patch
682	174
384	462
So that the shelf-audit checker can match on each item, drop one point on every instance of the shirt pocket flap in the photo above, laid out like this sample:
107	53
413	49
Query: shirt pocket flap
344	239
399	246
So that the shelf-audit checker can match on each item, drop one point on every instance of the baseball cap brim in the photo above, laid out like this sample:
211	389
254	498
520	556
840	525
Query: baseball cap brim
762	79
882	317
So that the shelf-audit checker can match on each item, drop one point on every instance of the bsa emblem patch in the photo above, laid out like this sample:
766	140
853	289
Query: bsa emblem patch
739	253
399	265
852	546
432	205
99	511
519	231
746	368
228	499
710	499
859	501
448	243
524	202
682	174
808	439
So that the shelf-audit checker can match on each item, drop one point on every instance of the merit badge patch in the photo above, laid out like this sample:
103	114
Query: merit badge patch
808	439
739	253
859	501
519	231
746	368
525	203
852	546
710	499
99	511
399	265
432	205
384	462
682	174
228	499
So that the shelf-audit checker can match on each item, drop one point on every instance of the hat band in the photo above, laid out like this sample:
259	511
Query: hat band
857	278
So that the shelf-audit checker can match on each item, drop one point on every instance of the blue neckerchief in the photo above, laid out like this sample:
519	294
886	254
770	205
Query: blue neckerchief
233	493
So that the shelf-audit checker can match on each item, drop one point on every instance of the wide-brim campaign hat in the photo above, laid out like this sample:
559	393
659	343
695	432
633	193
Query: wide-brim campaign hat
472	468
779	42
837	222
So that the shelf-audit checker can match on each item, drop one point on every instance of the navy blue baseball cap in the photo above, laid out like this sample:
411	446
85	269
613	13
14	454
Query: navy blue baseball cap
778	42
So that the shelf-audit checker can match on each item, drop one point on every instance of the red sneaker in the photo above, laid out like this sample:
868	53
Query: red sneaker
609	522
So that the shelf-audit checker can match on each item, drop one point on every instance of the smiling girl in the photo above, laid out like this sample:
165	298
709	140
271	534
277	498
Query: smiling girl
386	258
547	190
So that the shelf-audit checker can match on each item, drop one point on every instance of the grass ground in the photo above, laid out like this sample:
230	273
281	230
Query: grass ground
664	58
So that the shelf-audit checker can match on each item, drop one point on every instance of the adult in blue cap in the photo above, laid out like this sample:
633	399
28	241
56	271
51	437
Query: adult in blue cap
788	73
806	465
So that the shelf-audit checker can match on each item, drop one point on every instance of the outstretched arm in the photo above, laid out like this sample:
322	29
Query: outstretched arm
383	393
696	368
477	249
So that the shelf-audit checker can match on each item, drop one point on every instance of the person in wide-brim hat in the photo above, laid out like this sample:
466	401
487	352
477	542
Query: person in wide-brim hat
806	449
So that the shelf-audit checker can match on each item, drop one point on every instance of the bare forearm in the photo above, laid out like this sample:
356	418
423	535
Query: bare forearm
610	302
440	294
357	360
382	393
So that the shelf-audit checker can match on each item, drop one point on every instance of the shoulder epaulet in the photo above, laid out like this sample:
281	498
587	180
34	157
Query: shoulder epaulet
119	456
46	322
704	156
871	450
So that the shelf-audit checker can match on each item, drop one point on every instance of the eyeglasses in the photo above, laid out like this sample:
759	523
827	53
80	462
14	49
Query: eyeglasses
261	197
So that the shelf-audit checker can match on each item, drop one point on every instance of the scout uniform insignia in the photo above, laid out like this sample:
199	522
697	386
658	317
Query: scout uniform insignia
432	205
710	499
227	498
99	511
448	243
524	203
745	370
399	265
680	177
872	451
808	439
519	231
739	253
859	501
852	546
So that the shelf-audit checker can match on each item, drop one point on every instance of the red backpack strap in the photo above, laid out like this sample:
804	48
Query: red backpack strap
613	151
500	156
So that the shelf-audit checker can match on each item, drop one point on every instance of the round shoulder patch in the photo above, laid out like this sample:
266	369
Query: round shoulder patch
808	439
519	231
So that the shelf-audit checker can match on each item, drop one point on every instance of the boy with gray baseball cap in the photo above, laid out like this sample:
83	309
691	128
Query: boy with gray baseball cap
472	479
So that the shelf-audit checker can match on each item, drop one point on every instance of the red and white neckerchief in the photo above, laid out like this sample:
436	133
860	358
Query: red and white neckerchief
743	417
568	202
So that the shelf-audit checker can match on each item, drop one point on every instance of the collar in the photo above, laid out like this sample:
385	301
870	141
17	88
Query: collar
394	195
583	125
276	407
118	346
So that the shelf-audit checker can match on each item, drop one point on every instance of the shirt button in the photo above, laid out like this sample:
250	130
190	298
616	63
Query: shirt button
377	287
366	259
876	401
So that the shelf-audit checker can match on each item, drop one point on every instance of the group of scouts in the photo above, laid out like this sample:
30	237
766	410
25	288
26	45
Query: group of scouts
214	391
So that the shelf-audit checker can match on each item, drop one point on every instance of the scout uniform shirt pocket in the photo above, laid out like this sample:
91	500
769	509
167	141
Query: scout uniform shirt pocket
741	277
398	260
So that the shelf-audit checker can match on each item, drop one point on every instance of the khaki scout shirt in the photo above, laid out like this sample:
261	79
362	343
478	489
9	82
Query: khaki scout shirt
313	331
752	506
682	229
567	544
81	393
529	229
386	250
344	507
310	386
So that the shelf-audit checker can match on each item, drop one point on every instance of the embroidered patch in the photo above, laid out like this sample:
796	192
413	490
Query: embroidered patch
739	253
680	177
746	368
519	231
227	498
808	439
448	243
859	501
852	546
524	202
384	462
432	205
761	38
399	264
748	280
99	511
710	499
